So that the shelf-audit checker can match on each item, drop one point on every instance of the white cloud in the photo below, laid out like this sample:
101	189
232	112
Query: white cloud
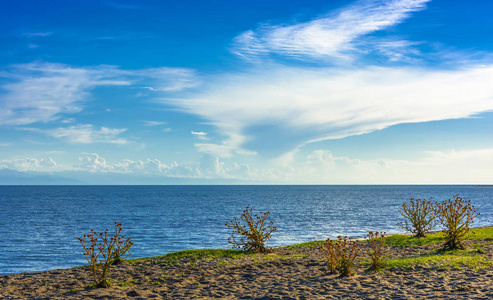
200	135
92	162
153	123
285	107
331	35
87	134
232	145
319	167
29	164
42	92
441	167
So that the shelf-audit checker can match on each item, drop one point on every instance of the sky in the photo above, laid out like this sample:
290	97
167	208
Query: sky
246	92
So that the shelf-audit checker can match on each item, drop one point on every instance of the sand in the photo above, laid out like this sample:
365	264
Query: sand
286	273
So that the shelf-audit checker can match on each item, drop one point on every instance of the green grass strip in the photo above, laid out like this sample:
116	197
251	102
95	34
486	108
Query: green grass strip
447	261
195	255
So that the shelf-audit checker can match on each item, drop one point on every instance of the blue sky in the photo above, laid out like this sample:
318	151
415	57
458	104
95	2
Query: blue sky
290	92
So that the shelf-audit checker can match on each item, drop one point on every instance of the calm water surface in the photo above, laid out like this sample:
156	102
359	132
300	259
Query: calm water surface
39	224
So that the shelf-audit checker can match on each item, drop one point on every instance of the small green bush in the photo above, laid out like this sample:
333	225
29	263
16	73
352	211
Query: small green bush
421	216
456	216
253	234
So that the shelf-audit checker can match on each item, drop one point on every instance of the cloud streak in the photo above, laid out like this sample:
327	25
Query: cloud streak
87	134
43	92
329	36
284	107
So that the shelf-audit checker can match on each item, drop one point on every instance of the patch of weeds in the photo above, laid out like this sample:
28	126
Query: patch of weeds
130	282
74	290
222	263
91	285
165	275
478	250
156	283
181	275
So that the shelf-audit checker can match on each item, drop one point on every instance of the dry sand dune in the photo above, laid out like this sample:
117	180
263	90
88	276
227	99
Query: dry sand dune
286	273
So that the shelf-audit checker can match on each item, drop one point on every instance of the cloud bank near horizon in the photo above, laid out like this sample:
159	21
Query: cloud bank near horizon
319	167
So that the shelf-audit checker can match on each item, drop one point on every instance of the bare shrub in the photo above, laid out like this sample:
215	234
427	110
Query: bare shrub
122	246
377	248
340	255
104	251
253	234
456	216
421	216
329	251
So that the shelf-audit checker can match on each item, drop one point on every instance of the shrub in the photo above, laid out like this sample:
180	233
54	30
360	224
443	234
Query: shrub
340	255
253	234
103	251
122	246
377	248
421	216
456	216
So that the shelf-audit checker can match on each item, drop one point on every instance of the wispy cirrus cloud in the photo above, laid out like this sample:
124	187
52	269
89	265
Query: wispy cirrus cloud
153	123
40	92
332	35
86	134
37	34
280	108
43	92
274	108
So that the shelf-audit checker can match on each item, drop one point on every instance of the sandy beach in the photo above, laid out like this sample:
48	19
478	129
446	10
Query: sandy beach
286	273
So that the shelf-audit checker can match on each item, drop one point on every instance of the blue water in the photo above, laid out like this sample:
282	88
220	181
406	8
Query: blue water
39	224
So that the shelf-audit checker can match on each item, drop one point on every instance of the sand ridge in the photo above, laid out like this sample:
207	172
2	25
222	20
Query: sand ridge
286	273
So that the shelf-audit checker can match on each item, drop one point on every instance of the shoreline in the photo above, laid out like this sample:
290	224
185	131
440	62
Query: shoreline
289	272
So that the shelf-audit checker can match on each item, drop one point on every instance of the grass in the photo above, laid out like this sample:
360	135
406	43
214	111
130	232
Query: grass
192	255
443	261
130	282
456	259
308	244
402	240
472	259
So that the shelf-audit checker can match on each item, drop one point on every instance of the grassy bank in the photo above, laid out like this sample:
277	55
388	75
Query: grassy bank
472	257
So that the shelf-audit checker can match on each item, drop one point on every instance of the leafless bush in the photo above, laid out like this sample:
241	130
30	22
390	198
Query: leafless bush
377	248
421	216
253	234
104	251
340	255
456	216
